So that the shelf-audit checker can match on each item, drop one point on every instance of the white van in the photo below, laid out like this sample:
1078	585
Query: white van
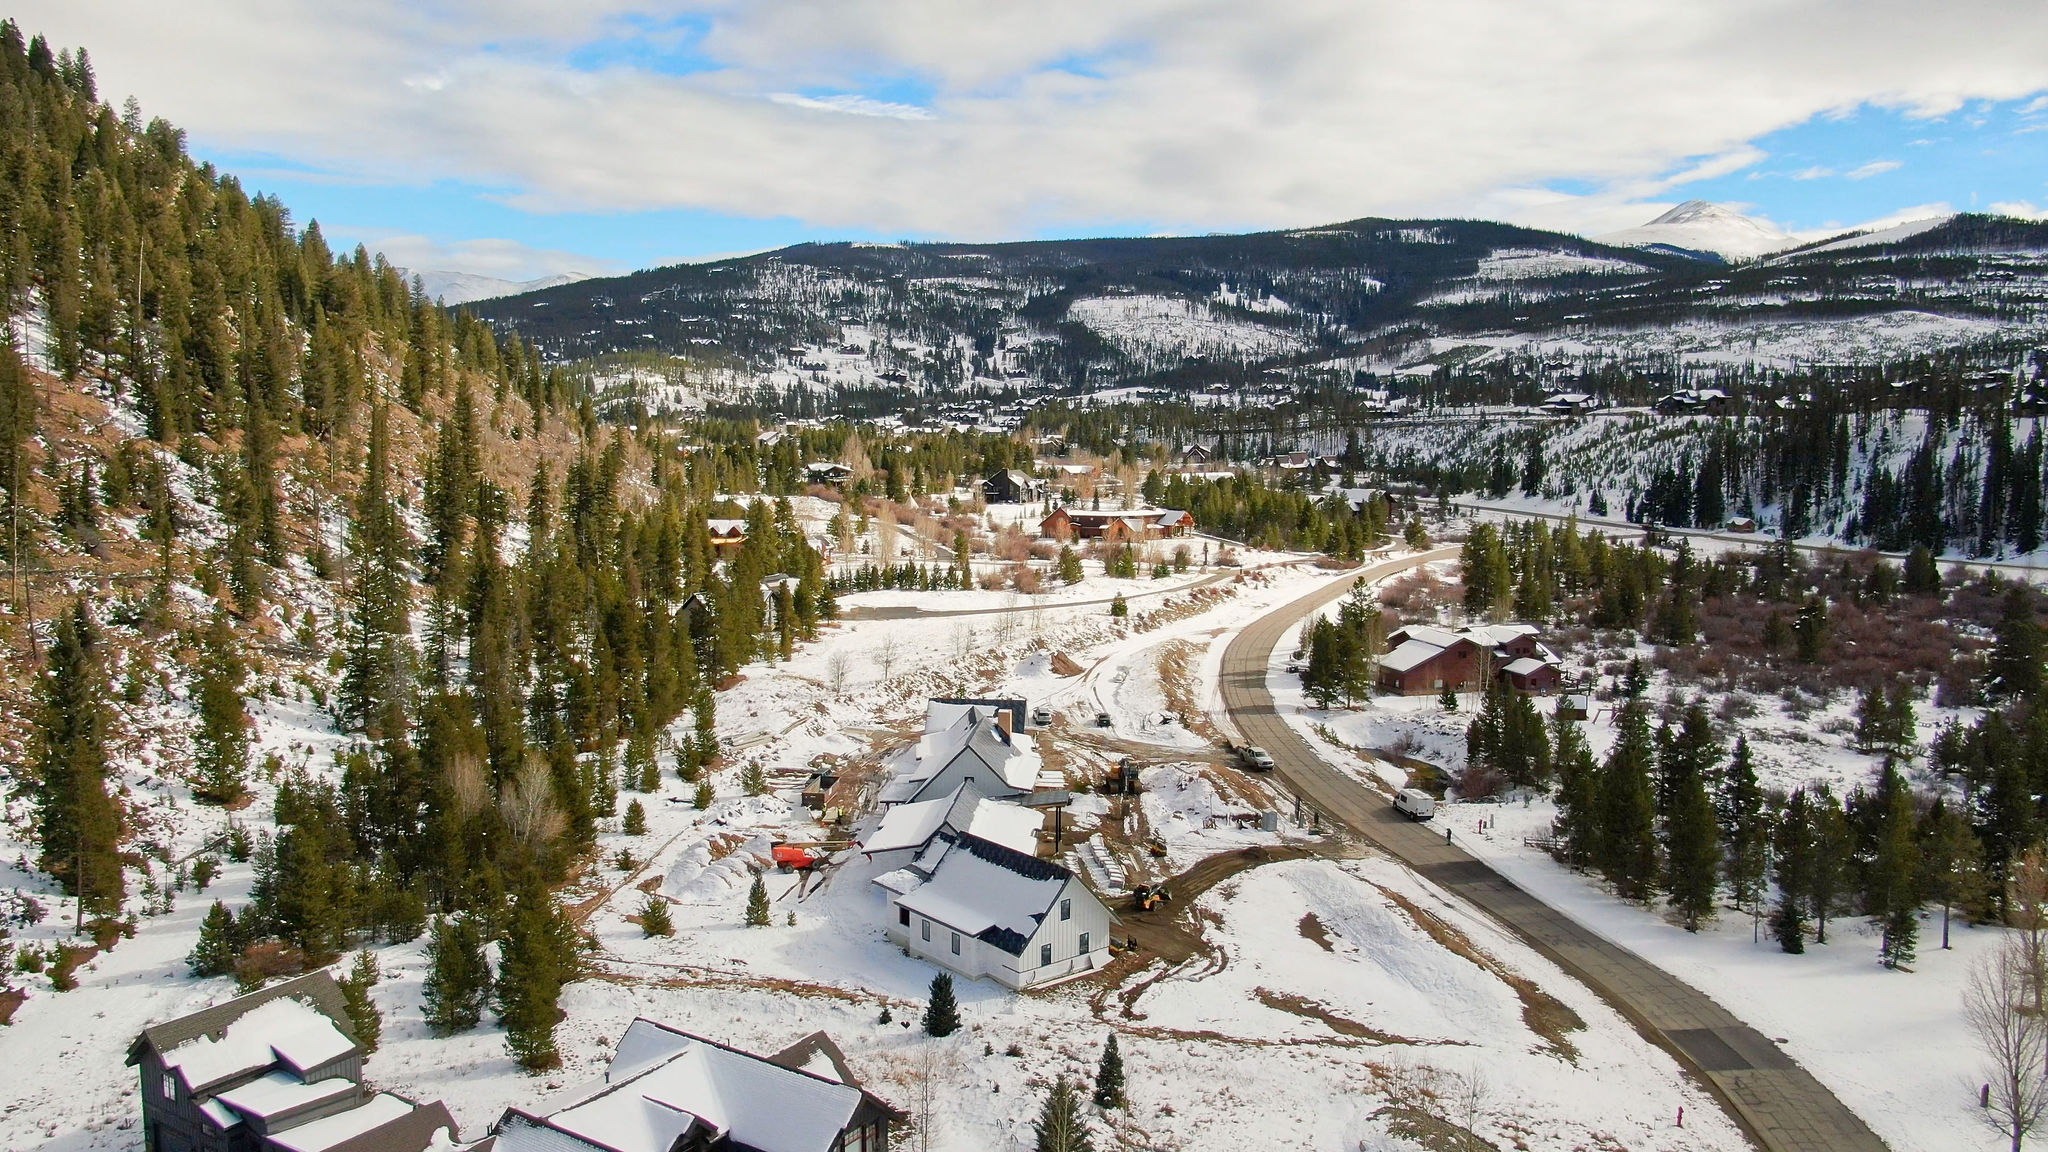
1415	803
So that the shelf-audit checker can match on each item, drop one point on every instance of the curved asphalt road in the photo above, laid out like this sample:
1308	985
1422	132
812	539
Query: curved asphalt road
1779	1103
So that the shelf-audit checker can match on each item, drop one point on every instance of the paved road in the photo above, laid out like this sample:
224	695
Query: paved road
1781	1105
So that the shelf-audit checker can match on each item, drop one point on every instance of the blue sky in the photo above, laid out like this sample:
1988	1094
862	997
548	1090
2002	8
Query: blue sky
519	138
1840	170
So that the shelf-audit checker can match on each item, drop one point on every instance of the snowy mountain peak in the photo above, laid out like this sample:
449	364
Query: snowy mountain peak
453	288
1701	226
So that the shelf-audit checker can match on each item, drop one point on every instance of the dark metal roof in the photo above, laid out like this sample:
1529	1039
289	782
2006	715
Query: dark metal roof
412	1132
800	1053
315	988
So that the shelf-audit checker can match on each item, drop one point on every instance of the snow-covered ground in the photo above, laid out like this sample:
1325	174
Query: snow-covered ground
1167	326
1337	976
1892	1045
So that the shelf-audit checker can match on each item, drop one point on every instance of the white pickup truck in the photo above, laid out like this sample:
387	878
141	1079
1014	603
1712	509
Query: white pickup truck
1414	803
1256	759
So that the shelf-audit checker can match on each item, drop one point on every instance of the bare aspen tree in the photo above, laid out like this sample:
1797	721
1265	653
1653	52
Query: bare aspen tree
886	654
837	666
885	535
2026	910
529	808
1997	1006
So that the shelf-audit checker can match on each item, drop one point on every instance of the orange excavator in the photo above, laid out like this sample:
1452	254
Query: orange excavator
794	856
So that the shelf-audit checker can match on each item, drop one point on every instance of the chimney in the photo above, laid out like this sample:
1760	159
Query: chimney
1003	720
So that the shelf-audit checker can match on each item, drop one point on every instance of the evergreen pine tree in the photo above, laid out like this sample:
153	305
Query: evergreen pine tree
654	917
1893	899
219	943
364	1018
77	822
704	795
1448	698
1118	609
634	823
1692	852
941	1014
757	903
1109	1077
222	743
537	958
1794	864
1952	862
1627	837
753	779
1738	808
458	980
1070	571
1923	575
1810	630
1578	794
1060	1126
2015	662
1831	850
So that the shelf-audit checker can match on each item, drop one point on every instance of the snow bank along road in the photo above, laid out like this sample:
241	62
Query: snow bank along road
1780	1104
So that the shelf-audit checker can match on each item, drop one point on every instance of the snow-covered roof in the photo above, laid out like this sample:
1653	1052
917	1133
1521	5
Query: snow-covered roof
909	825
1410	654
286	1029
1498	634
662	1082
1524	666
281	1092
987	891
328	1131
1435	637
964	810
727	527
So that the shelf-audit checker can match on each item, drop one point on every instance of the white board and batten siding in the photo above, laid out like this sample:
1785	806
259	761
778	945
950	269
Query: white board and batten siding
1086	921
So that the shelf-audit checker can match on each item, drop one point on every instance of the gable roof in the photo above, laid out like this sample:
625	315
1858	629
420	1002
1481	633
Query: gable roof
964	810
995	894
664	1083
1410	655
317	990
386	1123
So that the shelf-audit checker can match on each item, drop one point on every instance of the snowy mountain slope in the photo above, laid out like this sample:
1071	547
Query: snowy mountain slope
1698	226
1891	235
465	287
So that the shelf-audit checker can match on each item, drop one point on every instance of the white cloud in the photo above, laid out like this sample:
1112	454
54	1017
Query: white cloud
502	259
2024	209
1814	173
1874	168
1192	115
852	105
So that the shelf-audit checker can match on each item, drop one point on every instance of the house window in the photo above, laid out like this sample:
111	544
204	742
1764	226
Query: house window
1066	909
856	1139
1044	955
903	916
927	930
956	943
170	1087
1084	943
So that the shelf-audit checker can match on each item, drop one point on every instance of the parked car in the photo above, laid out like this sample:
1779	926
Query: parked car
1296	667
1256	758
1041	716
1102	720
1414	803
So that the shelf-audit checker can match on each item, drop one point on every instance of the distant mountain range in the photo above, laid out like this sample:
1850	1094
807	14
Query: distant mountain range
468	287
1700	284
